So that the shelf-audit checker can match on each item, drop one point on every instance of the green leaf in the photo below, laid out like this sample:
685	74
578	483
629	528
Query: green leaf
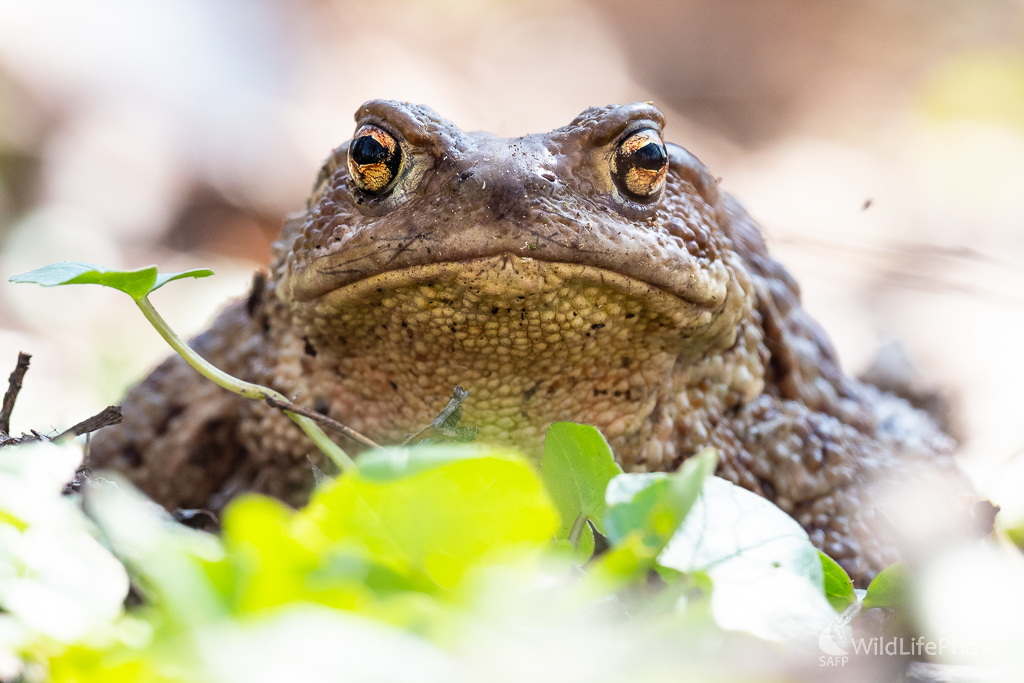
135	283
626	561
440	521
582	552
276	562
655	504
768	577
576	468
838	586
585	548
890	588
163	278
388	464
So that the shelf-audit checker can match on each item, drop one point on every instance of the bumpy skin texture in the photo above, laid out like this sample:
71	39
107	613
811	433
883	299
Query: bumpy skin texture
520	269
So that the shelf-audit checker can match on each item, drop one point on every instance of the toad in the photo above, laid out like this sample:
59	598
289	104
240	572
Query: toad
595	274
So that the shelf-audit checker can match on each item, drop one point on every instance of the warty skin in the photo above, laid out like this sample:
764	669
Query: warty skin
530	272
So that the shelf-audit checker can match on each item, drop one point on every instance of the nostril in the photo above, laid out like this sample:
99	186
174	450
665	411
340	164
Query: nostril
548	176
465	175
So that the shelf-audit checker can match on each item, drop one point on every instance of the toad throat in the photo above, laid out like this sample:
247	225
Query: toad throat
507	328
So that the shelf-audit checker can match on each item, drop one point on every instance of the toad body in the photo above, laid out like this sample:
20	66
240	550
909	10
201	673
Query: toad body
594	274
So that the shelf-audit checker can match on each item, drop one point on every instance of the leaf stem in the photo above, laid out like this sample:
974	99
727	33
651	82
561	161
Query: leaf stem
241	387
577	530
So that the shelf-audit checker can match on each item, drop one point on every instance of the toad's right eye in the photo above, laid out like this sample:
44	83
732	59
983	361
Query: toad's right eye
640	164
374	159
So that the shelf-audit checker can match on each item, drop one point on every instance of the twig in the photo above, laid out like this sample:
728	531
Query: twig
243	388
447	423
111	415
13	387
32	436
322	419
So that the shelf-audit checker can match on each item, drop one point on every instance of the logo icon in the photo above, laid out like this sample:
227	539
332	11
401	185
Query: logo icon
835	636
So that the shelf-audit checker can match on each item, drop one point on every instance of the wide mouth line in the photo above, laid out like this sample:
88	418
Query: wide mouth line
599	274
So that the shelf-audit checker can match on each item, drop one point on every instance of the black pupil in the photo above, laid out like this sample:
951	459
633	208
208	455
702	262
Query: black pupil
650	157
366	150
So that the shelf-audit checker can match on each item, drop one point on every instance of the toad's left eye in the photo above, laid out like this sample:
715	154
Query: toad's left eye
374	159
640	164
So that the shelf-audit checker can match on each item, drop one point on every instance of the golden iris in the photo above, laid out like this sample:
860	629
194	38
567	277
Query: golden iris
374	159
640	164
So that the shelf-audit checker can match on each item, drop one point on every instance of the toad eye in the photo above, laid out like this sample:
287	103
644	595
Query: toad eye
640	164
374	159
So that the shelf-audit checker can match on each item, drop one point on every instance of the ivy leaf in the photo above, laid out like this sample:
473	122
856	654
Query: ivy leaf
135	283
890	588
838	586
576	468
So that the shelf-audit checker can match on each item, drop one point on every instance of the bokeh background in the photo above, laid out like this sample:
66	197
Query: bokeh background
879	142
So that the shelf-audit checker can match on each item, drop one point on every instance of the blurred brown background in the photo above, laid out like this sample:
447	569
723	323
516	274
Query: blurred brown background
881	144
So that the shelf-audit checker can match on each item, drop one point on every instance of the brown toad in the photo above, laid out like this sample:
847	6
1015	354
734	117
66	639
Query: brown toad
592	274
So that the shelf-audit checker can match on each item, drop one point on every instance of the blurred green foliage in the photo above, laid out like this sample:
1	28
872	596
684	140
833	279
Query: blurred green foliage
410	540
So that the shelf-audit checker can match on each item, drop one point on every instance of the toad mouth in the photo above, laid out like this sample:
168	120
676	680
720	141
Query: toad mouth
501	278
687	286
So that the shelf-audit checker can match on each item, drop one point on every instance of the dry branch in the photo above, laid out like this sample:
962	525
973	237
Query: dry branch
13	387
446	424
322	419
111	415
